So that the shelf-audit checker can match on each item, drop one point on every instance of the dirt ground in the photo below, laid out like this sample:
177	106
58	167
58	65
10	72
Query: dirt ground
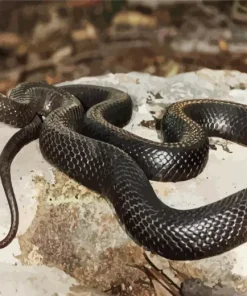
57	41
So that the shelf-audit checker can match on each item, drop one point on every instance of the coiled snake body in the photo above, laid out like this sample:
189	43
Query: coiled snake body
92	149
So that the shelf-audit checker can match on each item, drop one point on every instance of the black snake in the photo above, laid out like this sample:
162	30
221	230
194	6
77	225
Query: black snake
91	148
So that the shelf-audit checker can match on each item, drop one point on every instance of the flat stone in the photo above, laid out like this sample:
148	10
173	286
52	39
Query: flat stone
66	229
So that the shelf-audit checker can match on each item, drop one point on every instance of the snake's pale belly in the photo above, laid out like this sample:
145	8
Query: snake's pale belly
93	150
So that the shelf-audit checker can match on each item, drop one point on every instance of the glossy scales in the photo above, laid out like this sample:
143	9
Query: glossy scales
117	164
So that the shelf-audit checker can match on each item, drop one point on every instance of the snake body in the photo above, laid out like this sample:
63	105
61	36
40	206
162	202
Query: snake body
91	148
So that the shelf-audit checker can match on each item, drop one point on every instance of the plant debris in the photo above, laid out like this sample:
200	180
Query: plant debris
58	41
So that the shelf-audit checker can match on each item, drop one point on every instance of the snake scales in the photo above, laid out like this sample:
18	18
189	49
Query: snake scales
91	148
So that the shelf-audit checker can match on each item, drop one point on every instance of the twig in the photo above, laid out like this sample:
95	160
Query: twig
157	269
153	274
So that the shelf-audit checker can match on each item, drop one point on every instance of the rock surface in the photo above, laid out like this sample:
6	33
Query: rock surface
68	235
196	287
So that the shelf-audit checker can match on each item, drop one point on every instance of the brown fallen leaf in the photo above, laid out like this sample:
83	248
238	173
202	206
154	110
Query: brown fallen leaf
223	45
6	85
9	41
133	19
